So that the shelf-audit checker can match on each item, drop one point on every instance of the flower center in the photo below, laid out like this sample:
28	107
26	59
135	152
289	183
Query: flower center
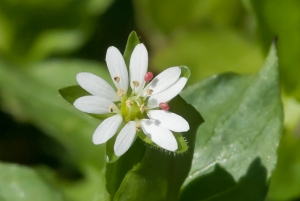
132	108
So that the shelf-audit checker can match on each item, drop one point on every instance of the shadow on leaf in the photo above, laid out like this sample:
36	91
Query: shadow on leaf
220	185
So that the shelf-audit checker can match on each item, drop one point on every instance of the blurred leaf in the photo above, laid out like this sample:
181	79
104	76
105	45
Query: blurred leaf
34	29
159	175
244	119
285	180
89	188
281	19
168	16
24	184
208	53
32	96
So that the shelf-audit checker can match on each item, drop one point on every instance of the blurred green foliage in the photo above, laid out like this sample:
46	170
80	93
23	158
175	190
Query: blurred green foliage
43	44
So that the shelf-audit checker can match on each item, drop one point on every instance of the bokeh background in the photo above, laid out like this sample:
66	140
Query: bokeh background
44	43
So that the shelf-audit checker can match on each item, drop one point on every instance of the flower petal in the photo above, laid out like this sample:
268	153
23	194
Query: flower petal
161	136
138	67
107	129
167	94
117	68
169	120
125	138
164	80
96	86
95	105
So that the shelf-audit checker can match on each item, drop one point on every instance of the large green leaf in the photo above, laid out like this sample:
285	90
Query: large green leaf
281	19
19	183
243	115
159	175
32	96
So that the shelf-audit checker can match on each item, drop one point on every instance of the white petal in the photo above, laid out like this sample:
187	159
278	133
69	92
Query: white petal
169	120
167	94
96	86
164	80
107	129
117	68
138	67
161	136
125	138
94	105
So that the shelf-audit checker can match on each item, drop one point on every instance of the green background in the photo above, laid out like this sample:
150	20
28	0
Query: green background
46	148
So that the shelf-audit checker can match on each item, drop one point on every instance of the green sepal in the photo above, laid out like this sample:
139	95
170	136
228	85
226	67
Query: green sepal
110	154
185	71
71	93
132	41
182	145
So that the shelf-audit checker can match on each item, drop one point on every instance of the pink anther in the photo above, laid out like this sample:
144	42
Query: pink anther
148	76
164	106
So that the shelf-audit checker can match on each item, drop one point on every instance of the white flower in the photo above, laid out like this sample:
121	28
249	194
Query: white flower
131	110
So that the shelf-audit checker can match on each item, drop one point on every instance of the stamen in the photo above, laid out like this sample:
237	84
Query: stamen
129	103
143	108
120	92
148	76
164	106
117	79
138	127
112	108
136	83
149	92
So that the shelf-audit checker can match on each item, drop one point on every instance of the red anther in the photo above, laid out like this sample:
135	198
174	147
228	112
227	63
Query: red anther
148	76
164	106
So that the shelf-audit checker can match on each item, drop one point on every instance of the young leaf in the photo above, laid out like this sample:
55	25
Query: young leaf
244	117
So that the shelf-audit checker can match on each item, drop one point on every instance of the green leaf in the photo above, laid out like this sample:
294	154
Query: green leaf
281	19
159	175
116	171
244	118
24	184
220	185
132	41
32	96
